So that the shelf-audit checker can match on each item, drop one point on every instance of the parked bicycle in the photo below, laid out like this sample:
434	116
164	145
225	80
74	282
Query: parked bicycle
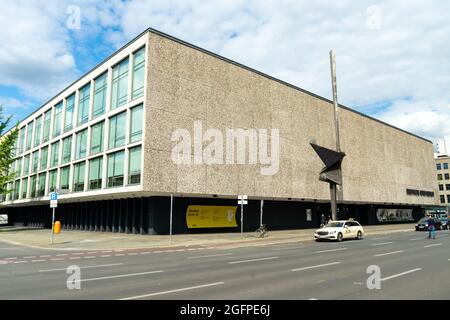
261	232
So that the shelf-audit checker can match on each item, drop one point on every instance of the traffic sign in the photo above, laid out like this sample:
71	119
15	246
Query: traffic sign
54	196
53	203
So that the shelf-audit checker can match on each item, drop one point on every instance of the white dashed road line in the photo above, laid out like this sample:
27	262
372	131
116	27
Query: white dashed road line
212	255
317	266
433	245
120	276
85	267
387	253
401	274
252	260
381	244
331	250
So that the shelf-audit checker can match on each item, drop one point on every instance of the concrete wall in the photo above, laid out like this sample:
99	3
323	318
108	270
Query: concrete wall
185	85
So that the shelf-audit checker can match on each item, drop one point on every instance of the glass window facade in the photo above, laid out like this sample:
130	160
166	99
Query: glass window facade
44	158
24	188
78	176
117	130
136	124
29	135
41	184
22	140
97	138
35	162
26	165
100	89
138	73
442	198
83	106
115	169
37	131
19	167
80	147
57	119
70	109
134	166
52	180
55	154
445	165
95	173
47	121
64	178
438	166
33	186
67	149
119	90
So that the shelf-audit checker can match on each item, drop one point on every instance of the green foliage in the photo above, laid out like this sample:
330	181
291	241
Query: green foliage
7	143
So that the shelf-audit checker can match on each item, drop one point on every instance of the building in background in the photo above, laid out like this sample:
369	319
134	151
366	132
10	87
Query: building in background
443	146
106	144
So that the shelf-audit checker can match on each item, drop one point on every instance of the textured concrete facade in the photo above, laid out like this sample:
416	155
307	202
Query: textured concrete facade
187	85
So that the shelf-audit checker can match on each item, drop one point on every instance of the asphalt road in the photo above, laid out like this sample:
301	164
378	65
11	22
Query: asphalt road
412	267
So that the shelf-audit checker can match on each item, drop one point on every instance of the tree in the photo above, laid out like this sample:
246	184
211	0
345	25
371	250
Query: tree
7	144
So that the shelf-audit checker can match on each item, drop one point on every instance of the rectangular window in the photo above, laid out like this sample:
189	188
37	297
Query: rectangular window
41	184
119	84
442	198
15	150
136	124
441	187
439	176
55	154
44	158
29	135
115	169
83	106
447	187
138	73
67	149
19	167
448	198
80	147
438	166
15	190
26	165
47	119
22	140
35	162
134	166
64	178
117	130
24	188
97	138
68	118
78	176
100	85
446	176
95	173
57	119
52	180
33	186
37	131
445	166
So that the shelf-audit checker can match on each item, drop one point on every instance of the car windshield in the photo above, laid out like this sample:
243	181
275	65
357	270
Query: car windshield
335	225
423	220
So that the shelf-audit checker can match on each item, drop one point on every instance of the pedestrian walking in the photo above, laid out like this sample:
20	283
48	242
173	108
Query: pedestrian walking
431	228
322	221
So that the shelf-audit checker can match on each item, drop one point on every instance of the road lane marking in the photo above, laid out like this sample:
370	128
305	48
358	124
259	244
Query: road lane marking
212	255
74	258
11	258
415	239
23	261
89	257
387	253
133	254
62	254
119	254
105	256
85	267
381	244
317	266
331	250
252	260
147	252
29	257
57	259
172	291
119	276
38	260
77	253
45	256
401	274
433	245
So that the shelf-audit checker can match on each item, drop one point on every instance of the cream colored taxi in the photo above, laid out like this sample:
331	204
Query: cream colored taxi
339	230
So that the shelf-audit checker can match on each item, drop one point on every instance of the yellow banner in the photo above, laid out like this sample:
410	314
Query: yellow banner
211	216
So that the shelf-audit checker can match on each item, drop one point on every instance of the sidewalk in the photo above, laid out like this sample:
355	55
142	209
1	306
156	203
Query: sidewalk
85	240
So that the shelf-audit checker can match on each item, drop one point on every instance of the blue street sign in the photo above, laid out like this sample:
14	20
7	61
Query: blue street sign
53	196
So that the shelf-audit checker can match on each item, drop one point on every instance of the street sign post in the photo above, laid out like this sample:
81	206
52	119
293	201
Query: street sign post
53	205
242	201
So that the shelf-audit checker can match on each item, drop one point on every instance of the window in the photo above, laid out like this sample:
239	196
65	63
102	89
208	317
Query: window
83	106
33	186
15	190
78	176
97	138
52	175
35	162
441	187
67	149
442	198
95	173
115	169
138	73
119	84
68	118
438	166
29	135
136	124
446	176
439	176
55	154
19	167
134	166
117	130
44	158
80	147
64	178
57	119
37	131
15	150
100	85
24	188
41	184
447	187
22	140
445	166
448	198
26	165
47	119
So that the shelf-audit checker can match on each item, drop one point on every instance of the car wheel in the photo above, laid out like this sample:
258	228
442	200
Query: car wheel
339	237
359	236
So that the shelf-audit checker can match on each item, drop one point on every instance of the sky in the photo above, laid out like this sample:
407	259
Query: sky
393	59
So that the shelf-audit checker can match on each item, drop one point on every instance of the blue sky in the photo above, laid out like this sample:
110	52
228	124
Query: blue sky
392	57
